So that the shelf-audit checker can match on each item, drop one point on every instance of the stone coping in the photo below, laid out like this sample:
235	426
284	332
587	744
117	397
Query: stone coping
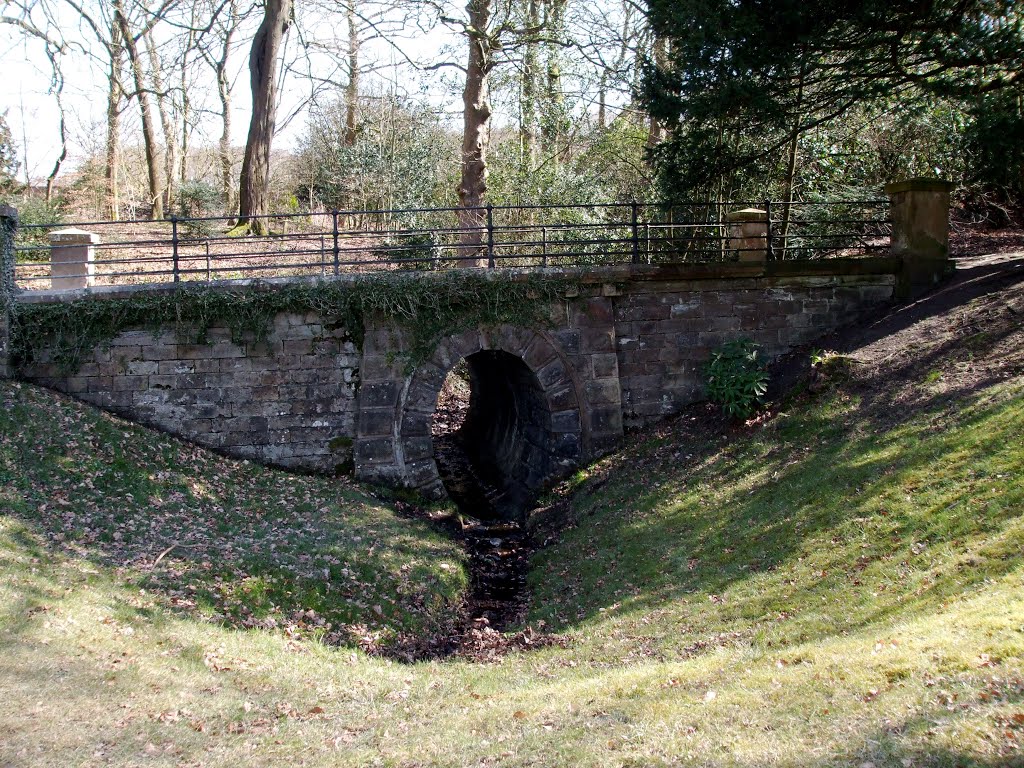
747	214
919	184
622	273
74	236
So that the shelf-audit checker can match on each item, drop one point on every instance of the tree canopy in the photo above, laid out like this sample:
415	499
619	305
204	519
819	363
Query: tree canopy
773	70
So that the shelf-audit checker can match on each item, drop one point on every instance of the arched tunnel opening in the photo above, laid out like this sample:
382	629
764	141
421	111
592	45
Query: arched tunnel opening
492	435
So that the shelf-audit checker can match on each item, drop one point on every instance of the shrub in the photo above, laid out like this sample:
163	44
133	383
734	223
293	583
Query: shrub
413	251
736	378
197	199
36	219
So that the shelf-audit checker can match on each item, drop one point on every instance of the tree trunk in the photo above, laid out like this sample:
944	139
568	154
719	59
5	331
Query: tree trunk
787	204
554	118
113	145
148	133
476	115
528	92
254	186
352	89
166	123
227	174
656	132
186	102
63	147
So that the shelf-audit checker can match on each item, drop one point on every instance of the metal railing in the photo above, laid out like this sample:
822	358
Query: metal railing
346	242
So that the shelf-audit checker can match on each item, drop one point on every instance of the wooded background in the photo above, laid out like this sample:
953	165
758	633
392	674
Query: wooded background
559	102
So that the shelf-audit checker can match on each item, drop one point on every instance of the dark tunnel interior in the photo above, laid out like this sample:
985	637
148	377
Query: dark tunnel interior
505	438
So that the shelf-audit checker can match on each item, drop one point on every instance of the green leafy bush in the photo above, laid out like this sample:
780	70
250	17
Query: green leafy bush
196	200
736	378
36	219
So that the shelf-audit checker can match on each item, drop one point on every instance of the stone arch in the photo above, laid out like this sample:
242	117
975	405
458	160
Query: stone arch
539	427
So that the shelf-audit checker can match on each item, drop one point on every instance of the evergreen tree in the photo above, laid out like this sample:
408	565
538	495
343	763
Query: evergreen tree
743	79
8	157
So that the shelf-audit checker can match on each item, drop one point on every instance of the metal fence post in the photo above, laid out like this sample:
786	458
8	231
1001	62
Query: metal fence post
490	236
174	249
336	252
769	250
8	230
544	245
636	233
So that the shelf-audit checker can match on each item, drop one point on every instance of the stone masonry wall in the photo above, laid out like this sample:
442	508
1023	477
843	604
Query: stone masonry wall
287	401
665	330
627	351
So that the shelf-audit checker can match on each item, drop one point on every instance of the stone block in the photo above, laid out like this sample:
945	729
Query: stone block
562	397
130	383
603	392
597	340
381	394
376	450
538	353
568	340
605	365
414	423
418	448
160	352
378	422
552	373
142	368
566	421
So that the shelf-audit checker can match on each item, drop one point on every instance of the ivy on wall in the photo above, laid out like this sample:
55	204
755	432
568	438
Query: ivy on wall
427	308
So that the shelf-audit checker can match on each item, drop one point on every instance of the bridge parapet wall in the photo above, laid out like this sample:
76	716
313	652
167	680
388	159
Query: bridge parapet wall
626	350
668	319
287	400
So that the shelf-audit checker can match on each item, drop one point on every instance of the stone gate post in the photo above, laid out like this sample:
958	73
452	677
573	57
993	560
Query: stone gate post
920	231
72	253
8	228
748	234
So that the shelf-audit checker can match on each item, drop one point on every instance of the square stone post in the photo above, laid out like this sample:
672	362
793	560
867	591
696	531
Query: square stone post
72	253
8	228
748	234
920	232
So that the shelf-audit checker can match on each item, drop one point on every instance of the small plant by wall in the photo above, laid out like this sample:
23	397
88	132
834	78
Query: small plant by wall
736	378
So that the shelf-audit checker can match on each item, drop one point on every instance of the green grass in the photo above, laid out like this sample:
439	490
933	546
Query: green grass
838	586
820	523
229	541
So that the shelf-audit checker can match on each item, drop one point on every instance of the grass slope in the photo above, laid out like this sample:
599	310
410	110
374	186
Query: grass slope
838	585
226	540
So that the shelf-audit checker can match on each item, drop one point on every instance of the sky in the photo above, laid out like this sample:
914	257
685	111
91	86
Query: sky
27	99
31	111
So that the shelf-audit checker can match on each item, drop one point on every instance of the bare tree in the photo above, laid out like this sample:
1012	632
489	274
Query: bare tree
167	122
254	186
217	55
54	47
352	87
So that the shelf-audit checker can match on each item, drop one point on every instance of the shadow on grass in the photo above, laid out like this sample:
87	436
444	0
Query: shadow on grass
816	524
246	545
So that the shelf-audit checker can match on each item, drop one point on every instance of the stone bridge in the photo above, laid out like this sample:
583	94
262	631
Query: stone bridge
624	350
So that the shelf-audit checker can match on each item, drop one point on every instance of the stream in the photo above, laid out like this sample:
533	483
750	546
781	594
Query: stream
499	550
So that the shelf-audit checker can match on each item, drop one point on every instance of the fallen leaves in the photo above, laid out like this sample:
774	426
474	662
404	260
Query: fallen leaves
237	543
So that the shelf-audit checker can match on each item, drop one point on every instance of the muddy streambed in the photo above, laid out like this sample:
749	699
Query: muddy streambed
498	549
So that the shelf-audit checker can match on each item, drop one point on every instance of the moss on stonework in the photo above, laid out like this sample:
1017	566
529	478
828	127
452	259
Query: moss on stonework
336	444
426	308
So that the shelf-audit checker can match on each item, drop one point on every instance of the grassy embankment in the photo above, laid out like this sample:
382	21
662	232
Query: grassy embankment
839	585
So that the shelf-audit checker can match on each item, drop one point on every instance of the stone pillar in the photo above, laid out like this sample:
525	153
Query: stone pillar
748	234
72	252
8	227
920	231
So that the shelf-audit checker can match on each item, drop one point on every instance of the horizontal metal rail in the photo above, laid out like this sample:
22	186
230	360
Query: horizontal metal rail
320	243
